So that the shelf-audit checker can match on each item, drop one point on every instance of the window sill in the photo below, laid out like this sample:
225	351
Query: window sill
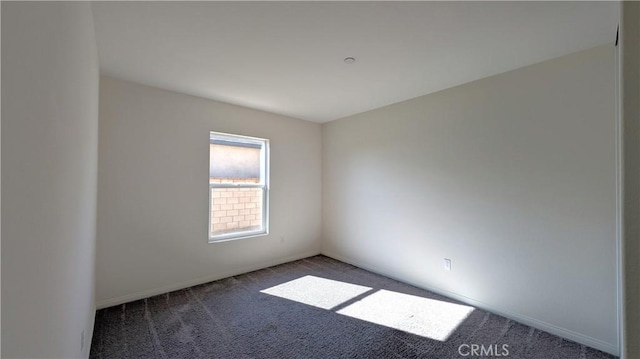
230	238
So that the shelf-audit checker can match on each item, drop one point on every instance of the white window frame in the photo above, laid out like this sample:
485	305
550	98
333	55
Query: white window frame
264	185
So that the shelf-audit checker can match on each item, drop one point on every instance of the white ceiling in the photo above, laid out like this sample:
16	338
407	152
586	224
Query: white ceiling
287	57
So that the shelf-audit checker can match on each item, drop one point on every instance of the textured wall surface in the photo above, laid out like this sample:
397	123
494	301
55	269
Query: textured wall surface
153	191
513	177
49	178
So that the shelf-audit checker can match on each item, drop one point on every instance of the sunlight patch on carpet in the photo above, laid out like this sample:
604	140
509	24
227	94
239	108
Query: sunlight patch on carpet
425	317
318	292
429	318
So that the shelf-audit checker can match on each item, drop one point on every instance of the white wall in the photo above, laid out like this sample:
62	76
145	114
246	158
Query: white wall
49	173
153	191
512	177
630	35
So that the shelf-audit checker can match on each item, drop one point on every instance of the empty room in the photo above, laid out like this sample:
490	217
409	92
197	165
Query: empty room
320	179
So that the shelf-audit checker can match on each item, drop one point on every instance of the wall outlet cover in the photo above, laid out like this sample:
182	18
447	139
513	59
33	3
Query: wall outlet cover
447	264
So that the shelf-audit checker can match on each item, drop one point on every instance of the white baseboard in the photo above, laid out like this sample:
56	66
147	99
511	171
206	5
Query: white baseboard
88	335
190	283
532	322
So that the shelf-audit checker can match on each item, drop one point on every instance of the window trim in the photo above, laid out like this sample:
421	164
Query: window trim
254	142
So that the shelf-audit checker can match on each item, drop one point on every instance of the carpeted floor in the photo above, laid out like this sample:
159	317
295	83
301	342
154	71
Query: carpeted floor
316	308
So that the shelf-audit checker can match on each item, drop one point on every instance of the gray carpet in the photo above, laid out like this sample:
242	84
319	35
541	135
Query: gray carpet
346	312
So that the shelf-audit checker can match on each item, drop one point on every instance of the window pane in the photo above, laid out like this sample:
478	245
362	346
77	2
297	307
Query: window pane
238	181
236	210
234	164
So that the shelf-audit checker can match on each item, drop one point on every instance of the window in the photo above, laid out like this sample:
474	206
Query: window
238	186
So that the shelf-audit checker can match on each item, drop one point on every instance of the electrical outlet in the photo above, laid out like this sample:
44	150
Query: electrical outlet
82	340
447	264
